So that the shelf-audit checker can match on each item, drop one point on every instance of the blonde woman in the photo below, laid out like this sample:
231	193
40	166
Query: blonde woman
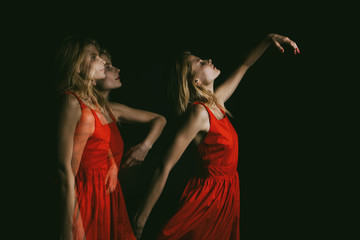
121	113
87	168
210	205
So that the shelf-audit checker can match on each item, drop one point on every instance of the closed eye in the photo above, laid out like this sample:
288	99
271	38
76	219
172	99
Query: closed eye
108	66
201	61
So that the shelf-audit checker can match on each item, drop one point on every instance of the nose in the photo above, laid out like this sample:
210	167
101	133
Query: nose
210	61
117	70
101	60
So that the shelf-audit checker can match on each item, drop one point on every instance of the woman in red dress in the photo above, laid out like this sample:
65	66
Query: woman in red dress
120	114
210	204
90	148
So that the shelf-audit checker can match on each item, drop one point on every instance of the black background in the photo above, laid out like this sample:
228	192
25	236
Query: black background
284	109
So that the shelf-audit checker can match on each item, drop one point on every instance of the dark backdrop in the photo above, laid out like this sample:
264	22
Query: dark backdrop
280	109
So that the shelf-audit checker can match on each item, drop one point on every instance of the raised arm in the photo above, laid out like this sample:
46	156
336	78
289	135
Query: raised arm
197	121
69	116
227	88
157	123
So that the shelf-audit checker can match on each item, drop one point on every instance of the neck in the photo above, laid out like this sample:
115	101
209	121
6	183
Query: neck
105	94
210	87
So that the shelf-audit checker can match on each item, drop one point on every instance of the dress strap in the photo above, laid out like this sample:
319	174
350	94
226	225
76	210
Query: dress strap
209	111
222	112
211	115
79	99
201	104
112	115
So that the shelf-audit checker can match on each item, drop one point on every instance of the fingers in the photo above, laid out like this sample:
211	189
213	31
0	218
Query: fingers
279	40
111	187
107	177
277	44
293	45
125	164
131	162
138	233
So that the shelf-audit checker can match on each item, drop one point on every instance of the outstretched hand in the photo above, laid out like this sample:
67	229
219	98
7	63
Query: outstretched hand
136	155
137	227
279	40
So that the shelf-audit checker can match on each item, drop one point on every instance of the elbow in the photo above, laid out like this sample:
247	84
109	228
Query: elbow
162	120
159	119
66	178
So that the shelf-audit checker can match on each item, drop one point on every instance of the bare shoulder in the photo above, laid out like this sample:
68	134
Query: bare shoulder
70	109
197	118
70	102
198	112
116	105
117	109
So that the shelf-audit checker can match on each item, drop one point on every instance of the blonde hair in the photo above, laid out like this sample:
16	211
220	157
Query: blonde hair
68	65
183	89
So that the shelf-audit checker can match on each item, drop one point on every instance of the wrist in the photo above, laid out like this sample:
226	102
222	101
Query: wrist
146	145
270	37
112	164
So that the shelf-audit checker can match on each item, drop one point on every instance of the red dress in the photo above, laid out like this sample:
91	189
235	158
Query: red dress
104	216
210	205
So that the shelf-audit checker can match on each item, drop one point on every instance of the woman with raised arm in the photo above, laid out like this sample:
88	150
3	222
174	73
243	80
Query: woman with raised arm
210	204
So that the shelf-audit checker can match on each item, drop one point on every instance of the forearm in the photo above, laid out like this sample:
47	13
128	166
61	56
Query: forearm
67	198
151	196
257	52
226	89
157	125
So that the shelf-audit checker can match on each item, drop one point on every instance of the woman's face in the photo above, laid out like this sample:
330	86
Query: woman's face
205	71
112	78
94	62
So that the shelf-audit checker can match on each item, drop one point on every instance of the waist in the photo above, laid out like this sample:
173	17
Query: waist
217	172
94	159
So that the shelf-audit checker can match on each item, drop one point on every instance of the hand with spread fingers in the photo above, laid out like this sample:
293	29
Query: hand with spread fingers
279	40
136	155
111	178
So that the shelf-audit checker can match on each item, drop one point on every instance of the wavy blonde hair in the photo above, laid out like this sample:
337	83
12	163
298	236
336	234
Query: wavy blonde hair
183	89
71	70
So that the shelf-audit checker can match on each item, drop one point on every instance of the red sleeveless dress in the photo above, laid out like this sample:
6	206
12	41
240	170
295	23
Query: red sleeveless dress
104	215
210	204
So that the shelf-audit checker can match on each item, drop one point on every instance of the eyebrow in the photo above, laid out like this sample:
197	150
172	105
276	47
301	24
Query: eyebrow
196	60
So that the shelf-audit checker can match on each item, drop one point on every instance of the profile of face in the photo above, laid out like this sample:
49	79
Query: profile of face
111	79
92	66
204	70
